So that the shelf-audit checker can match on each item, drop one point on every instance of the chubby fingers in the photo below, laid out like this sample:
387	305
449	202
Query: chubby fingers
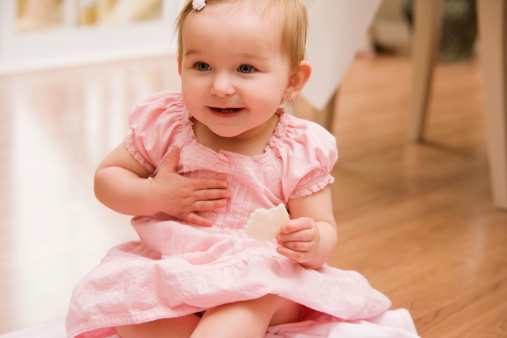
198	220
210	194
209	184
300	229
208	189
299	240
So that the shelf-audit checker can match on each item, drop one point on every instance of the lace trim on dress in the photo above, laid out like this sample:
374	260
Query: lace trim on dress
281	131
274	141
186	125
312	183
131	146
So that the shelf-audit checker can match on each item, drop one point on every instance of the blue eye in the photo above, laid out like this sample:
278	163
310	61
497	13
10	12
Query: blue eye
246	69
202	66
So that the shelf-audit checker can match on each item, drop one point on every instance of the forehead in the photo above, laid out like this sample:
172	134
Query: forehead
231	25
261	8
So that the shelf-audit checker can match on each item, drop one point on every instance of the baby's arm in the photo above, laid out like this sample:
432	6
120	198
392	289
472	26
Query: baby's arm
310	237
122	184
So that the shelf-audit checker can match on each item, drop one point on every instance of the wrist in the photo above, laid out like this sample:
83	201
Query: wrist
328	239
152	200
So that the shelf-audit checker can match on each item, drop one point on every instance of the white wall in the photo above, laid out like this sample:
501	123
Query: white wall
72	44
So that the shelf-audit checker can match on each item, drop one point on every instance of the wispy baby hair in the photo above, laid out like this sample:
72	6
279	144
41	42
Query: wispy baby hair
291	15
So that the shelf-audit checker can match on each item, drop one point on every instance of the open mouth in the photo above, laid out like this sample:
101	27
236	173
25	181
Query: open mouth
225	111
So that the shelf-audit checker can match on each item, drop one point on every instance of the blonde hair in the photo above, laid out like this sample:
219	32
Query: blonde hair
293	20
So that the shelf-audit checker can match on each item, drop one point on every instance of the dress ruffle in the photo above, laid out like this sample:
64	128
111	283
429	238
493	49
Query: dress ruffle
138	282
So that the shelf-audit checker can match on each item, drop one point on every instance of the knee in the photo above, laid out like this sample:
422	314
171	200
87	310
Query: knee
180	327
247	319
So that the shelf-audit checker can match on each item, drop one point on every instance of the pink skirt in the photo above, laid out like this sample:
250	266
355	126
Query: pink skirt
176	270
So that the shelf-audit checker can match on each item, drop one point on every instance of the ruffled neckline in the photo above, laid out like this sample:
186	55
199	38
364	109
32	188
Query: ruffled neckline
275	140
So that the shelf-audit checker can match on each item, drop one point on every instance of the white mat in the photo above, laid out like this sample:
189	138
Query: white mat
51	329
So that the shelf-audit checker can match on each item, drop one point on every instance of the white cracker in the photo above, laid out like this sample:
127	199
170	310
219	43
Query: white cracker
264	225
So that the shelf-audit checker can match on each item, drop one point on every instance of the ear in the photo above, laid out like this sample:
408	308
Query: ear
179	66
297	80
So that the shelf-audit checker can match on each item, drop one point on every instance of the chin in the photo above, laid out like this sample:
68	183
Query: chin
226	129
227	134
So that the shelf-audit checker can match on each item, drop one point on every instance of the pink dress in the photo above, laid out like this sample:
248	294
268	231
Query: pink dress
178	268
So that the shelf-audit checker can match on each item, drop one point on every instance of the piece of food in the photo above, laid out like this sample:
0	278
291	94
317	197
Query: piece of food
265	224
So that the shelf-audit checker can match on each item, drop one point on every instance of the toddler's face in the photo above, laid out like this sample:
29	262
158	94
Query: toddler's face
233	72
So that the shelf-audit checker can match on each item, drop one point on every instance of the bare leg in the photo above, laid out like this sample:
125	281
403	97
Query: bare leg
247	319
181	327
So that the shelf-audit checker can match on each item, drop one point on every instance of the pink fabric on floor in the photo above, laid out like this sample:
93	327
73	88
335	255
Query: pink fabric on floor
132	286
391	324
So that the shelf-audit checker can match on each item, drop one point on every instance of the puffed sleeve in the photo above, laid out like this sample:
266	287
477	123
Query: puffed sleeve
156	123
309	154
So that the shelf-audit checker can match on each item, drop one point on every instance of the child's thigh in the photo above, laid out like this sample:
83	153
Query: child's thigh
181	327
248	318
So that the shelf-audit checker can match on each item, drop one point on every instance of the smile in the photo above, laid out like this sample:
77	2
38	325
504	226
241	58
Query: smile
225	110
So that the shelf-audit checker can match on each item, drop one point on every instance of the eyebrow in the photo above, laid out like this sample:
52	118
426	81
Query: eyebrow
191	52
254	56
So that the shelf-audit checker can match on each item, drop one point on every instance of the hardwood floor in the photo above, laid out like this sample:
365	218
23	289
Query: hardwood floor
415	219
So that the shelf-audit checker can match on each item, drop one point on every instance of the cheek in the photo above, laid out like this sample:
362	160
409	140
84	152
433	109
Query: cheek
272	90
187	83
193	91
190	99
271	98
278	86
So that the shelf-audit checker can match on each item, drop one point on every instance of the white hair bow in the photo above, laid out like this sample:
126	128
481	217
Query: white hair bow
198	4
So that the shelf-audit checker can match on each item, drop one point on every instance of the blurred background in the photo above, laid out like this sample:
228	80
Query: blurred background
43	33
38	34
71	69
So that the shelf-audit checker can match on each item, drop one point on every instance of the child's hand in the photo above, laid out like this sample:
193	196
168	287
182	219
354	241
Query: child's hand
299	240
182	197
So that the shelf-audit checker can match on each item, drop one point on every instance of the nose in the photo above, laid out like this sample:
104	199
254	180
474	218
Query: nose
222	85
